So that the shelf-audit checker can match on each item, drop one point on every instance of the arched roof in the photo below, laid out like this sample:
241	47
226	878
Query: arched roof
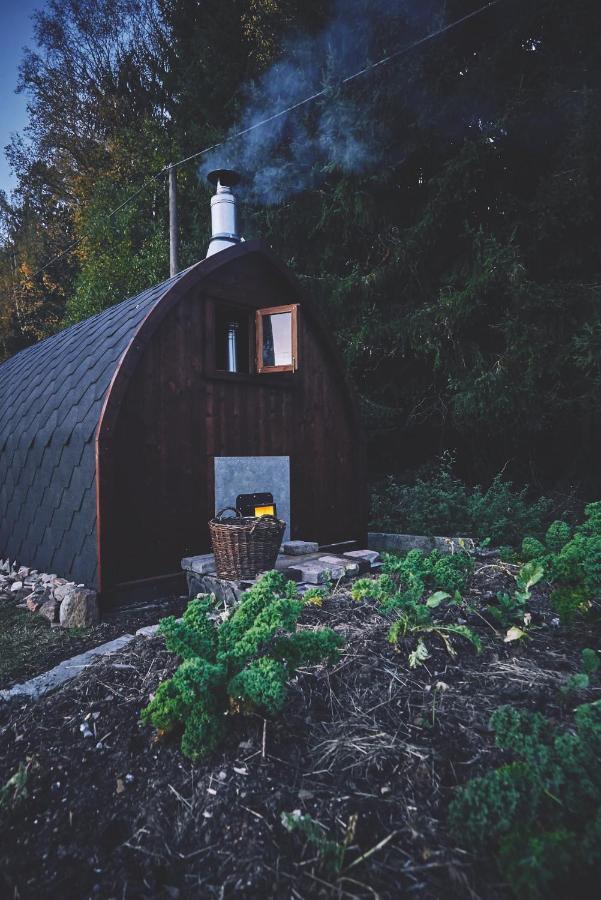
51	397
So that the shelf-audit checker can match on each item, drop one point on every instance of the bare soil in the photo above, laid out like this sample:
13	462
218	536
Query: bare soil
124	815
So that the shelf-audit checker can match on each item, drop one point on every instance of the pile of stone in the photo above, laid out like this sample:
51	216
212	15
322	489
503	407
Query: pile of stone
300	561
64	603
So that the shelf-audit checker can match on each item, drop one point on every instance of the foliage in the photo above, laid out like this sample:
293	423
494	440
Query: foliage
581	680
409	577
571	560
15	790
539	813
412	621
437	502
401	590
532	548
331	853
243	662
511	608
467	311
315	596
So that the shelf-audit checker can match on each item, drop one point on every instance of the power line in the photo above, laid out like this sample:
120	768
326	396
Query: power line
278	115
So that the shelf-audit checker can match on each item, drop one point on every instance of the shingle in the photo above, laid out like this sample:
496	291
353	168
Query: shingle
51	397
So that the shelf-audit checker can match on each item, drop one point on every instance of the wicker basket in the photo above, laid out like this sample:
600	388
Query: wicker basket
246	545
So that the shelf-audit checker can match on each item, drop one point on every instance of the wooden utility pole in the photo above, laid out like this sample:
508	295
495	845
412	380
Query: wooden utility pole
173	267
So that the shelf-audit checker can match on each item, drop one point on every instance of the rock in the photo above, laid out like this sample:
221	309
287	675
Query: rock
33	603
49	609
299	548
63	590
403	543
227	592
367	556
147	631
315	572
16	586
350	567
80	609
201	565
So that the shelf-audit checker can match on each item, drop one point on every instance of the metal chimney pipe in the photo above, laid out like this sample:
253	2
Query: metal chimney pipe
224	217
232	347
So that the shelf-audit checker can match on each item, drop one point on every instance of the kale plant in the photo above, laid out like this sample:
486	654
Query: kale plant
590	663
243	662
540	813
410	577
571	561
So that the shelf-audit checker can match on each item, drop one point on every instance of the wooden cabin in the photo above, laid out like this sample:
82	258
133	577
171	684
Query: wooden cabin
121	435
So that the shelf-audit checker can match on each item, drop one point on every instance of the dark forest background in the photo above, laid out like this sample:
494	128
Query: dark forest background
445	209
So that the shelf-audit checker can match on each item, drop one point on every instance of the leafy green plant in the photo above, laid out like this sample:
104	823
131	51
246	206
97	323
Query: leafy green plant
511	608
315	596
331	853
541	813
437	502
402	589
507	609
408	578
242	662
571	561
15	790
581	680
414	621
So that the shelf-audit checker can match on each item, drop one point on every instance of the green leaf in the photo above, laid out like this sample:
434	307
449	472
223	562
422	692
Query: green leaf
578	682
530	574
436	599
590	661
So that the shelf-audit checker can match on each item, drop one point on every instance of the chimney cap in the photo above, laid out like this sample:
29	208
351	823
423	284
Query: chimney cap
225	177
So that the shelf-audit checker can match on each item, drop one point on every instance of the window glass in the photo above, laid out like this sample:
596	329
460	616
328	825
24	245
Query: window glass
277	339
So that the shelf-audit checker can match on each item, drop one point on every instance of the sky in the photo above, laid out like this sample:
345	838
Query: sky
16	31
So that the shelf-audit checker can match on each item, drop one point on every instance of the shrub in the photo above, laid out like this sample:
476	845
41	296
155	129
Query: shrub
558	534
539	814
569	601
581	680
244	662
532	548
437	502
571	559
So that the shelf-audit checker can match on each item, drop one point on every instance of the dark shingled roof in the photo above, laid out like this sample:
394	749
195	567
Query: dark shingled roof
51	398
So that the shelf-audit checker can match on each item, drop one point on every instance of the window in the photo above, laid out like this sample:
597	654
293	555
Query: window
232	339
277	339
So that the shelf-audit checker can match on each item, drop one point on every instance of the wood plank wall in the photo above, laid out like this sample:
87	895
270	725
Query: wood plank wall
178	413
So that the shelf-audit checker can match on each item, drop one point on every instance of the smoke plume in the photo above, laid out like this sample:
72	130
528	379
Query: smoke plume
339	130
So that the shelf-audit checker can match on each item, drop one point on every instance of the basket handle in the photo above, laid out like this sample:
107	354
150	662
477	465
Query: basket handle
225	509
261	518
